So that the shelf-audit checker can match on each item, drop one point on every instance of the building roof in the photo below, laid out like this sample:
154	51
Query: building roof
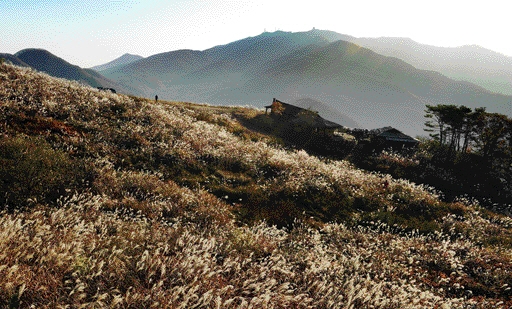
394	135
290	109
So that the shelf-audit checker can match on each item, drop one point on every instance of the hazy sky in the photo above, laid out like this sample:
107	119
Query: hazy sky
92	32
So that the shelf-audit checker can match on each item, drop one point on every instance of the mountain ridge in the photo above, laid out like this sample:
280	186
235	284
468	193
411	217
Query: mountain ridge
472	63
13	59
44	61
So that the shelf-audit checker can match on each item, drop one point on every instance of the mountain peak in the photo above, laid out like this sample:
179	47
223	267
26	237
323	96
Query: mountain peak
476	48
44	61
121	61
33	51
275	33
330	36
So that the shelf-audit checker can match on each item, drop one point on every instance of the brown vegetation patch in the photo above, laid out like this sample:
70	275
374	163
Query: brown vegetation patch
38	125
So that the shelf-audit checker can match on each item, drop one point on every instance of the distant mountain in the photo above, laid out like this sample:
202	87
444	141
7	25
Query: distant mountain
206	76
471	63
44	61
243	57
123	60
13	59
370	89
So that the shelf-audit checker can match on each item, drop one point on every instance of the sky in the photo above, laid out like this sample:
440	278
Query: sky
93	32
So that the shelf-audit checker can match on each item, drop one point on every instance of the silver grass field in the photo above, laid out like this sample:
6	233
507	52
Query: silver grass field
144	227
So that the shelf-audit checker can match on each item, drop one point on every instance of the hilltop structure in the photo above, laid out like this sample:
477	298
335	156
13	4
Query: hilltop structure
327	137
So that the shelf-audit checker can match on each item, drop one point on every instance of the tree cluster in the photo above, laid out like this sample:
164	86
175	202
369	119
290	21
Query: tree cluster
465	130
475	148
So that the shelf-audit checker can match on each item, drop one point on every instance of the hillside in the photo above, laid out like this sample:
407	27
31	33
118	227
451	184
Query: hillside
117	201
210	75
320	65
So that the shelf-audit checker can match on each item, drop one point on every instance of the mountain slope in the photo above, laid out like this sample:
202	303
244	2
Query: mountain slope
326	112
239	56
196	75
13	59
45	61
471	63
123	60
250	54
363	84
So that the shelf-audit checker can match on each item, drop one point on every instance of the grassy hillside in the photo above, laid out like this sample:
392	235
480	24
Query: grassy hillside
117	201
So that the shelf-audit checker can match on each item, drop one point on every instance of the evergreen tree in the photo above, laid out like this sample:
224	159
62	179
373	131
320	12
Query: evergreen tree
435	123
493	134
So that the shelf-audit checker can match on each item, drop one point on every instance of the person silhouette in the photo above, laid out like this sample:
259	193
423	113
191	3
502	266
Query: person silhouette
156	98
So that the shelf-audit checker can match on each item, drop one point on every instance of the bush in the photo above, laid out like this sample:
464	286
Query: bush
31	171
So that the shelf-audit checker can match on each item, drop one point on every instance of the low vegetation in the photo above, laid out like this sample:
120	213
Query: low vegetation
455	173
121	202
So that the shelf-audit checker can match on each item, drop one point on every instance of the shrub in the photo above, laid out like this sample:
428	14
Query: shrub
31	172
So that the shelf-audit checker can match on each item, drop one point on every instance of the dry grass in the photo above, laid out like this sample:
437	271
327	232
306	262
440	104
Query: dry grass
159	221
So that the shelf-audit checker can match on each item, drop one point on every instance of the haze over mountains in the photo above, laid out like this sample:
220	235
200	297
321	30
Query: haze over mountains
372	89
357	86
472	63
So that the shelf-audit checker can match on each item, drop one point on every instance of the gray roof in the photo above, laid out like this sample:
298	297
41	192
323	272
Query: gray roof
392	134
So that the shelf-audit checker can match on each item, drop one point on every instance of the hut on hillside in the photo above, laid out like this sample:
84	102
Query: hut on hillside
389	137
300	116
305	128
284	109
